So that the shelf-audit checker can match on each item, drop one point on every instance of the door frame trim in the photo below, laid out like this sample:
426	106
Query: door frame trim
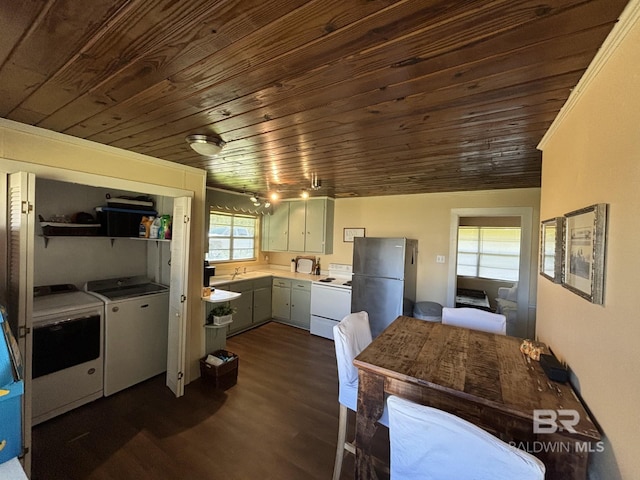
526	328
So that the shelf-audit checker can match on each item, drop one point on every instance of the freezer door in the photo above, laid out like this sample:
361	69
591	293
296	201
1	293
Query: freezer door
379	257
381	298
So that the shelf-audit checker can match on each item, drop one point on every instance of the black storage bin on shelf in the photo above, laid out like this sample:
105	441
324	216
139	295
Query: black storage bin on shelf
121	222
221	376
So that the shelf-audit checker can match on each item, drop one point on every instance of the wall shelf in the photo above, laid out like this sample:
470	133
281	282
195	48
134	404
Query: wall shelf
113	239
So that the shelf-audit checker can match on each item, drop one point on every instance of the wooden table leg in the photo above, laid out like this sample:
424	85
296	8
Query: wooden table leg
370	408
568	460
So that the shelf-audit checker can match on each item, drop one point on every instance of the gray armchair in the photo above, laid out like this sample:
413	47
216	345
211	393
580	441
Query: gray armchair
507	302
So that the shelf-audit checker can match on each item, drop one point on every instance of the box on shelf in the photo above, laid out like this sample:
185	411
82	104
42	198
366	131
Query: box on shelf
121	222
221	376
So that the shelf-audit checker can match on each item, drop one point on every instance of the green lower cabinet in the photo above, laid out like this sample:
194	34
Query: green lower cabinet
292	302
301	304
262	302
243	314
253	307
281	299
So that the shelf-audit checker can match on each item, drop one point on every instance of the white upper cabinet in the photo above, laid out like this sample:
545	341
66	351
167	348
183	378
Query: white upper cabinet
278	238
301	226
297	228
319	225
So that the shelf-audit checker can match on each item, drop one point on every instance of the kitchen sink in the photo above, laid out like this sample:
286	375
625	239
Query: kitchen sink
218	279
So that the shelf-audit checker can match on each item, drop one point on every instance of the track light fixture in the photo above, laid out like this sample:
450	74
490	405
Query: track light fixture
257	201
316	183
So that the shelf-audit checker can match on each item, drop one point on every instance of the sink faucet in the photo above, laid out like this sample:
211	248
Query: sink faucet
236	273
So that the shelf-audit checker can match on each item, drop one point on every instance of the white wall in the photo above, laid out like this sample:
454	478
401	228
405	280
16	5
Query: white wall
592	155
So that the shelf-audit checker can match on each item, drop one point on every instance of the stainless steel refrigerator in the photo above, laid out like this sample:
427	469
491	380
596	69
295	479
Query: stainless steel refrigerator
384	279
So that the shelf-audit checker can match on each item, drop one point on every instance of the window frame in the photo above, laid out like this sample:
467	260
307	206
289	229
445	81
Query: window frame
479	252
231	237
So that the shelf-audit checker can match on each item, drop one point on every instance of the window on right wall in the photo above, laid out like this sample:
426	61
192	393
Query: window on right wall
489	252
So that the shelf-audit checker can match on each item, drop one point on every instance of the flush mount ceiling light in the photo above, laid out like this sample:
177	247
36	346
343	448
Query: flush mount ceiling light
206	145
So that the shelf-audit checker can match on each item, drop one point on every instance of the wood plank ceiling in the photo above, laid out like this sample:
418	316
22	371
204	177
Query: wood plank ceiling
375	97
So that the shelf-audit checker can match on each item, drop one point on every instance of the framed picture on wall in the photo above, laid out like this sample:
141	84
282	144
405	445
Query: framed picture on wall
348	234
551	239
584	252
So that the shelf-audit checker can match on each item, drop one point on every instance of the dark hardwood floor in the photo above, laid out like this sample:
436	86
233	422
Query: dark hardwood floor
279	421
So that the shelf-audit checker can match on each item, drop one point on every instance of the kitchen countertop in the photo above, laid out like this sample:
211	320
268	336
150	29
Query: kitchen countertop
221	296
264	272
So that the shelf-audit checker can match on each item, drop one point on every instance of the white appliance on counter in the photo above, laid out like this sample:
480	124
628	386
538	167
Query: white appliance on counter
67	366
330	300
136	329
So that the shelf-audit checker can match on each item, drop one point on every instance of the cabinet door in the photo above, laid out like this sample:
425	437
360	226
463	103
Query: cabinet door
281	297
297	229
265	223
261	305
243	315
315	225
301	304
279	228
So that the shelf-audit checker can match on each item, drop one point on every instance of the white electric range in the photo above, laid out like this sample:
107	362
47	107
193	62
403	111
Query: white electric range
330	299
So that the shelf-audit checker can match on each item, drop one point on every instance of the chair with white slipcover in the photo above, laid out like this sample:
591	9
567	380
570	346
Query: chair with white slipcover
430	444
351	335
475	319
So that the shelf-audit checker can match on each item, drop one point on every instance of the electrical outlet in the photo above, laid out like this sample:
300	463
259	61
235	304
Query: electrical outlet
439	258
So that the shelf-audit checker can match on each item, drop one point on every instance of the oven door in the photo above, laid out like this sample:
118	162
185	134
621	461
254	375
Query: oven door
330	302
329	305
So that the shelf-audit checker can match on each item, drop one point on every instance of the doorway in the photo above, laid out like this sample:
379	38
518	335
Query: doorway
525	324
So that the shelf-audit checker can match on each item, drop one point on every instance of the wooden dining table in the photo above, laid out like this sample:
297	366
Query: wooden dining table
481	377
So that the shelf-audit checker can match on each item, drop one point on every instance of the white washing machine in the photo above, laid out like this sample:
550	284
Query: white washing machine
68	348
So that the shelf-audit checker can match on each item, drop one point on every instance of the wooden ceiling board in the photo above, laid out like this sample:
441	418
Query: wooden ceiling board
373	96
292	93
